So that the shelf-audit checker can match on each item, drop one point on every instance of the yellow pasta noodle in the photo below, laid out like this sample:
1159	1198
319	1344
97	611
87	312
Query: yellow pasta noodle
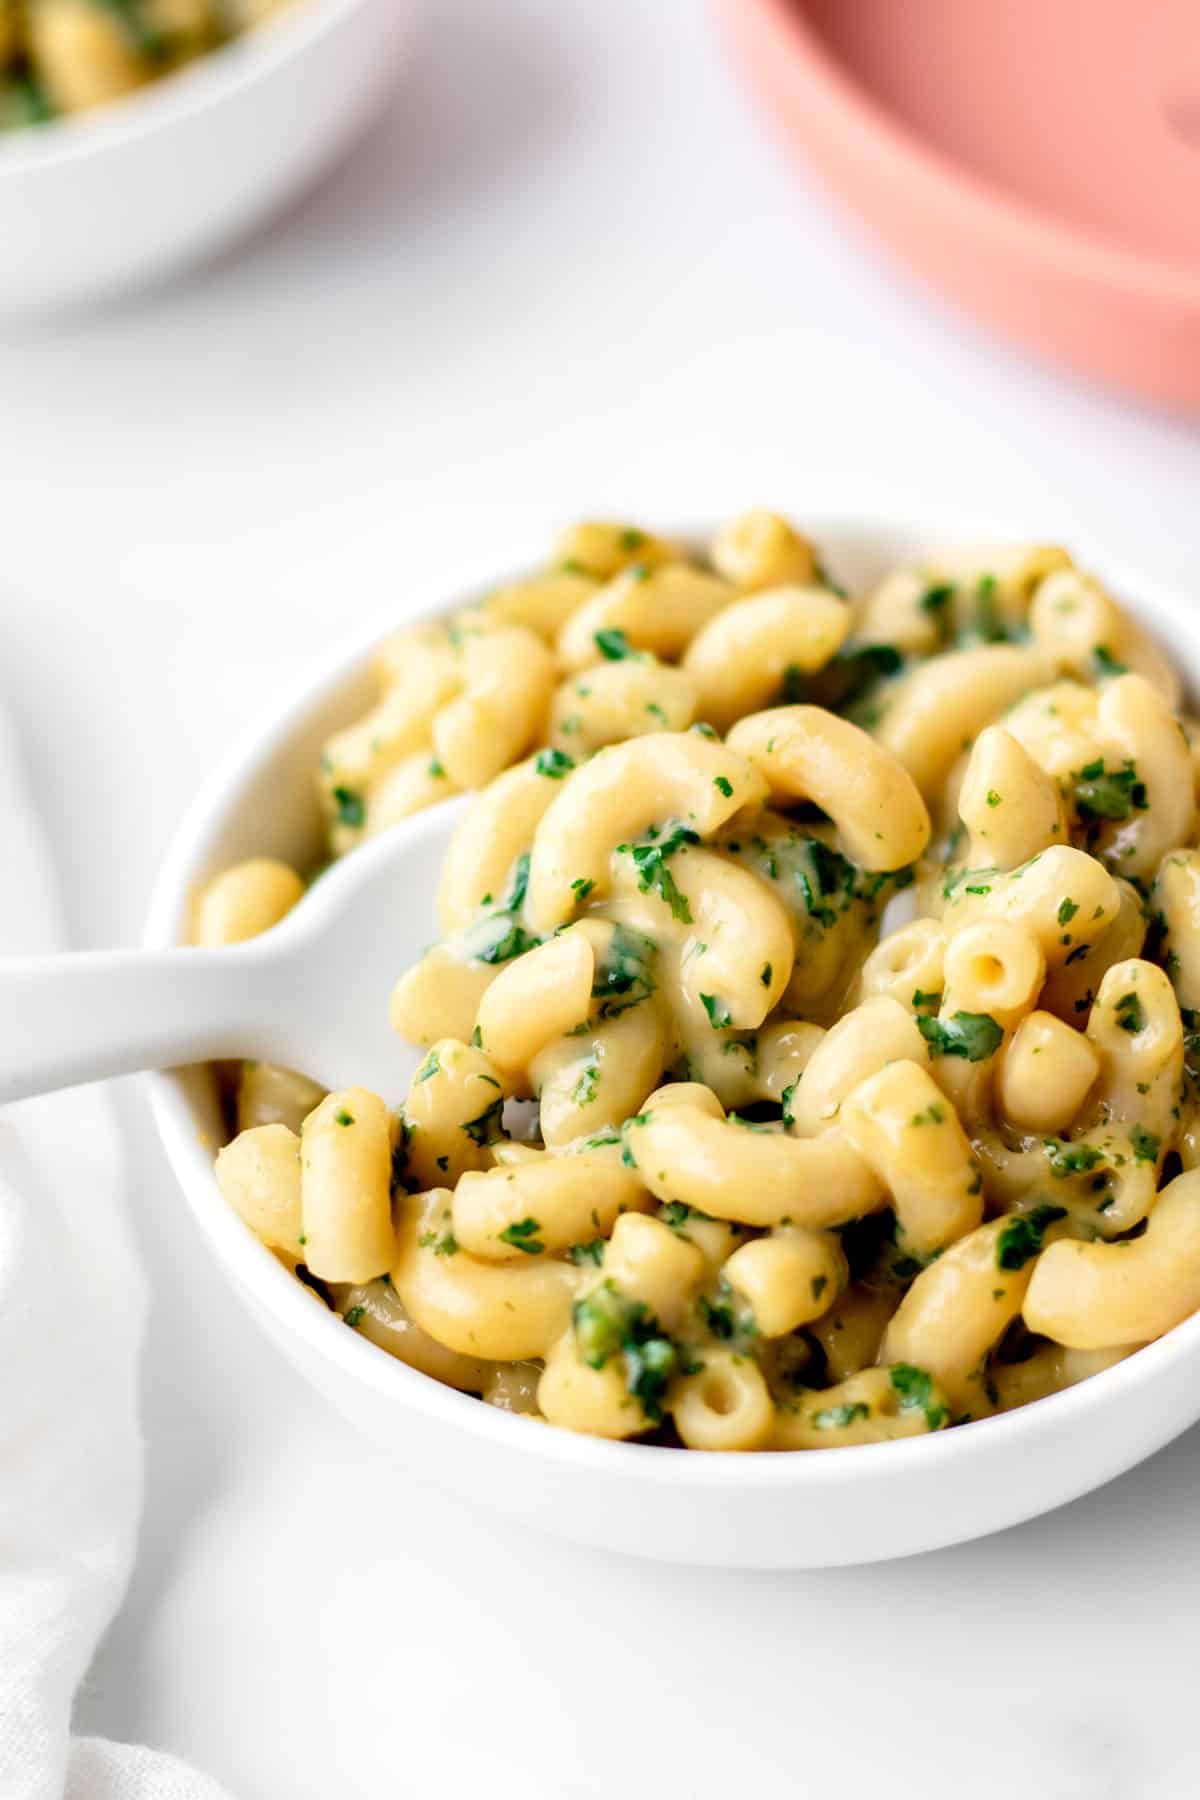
738	661
345	1186
1092	1296
809	754
259	1175
620	699
909	1134
505	1214
946	701
659	609
761	549
502	1312
625	791
866	1408
244	901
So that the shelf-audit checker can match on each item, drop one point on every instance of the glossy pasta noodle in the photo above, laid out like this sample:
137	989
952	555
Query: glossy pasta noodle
844	949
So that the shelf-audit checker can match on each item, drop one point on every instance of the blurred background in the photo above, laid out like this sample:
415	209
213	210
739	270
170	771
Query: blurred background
569	269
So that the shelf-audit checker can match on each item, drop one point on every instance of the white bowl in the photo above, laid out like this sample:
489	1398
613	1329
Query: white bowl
762	1511
100	202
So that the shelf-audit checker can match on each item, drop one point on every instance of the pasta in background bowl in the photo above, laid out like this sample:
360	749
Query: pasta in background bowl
59	57
793	1189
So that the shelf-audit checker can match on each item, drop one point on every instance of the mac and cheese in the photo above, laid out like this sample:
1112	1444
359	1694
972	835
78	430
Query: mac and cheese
809	1055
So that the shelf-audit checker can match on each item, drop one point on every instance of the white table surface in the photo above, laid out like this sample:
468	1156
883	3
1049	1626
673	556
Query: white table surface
570	271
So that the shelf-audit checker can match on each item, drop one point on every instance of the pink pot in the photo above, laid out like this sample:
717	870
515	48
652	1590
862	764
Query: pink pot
1039	163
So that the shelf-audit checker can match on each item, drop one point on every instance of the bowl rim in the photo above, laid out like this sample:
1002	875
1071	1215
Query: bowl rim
220	73
1071	251
280	1295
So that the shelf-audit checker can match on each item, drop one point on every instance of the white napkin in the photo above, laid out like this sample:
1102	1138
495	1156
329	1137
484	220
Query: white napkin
72	1309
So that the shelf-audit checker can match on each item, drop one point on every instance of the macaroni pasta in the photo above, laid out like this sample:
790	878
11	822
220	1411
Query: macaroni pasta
809	1055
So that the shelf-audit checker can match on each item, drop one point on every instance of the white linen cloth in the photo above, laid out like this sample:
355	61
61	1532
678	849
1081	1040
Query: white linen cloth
72	1311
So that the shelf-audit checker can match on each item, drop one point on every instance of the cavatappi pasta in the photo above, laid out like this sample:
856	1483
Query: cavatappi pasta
845	952
69	56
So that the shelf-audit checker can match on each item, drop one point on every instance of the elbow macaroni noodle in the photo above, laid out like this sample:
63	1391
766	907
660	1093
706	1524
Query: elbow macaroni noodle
704	1149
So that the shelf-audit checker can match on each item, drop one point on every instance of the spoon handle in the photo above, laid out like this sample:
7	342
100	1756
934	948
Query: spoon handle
96	1013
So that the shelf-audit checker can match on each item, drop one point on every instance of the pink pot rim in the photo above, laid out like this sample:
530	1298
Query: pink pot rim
778	33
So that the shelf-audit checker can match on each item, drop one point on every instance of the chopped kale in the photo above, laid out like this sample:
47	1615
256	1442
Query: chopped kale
988	623
607	1324
914	1389
584	1090
583	1255
505	940
518	886
1102	794
848	678
1146	1145
445	1245
522	1235
1021	1237
975	1036
836	1418
499	935
719	1015
934	1114
623	979
935	600
553	763
1071	1159
351	808
1130	1013
650	861
1106	663
486	1128
725	1319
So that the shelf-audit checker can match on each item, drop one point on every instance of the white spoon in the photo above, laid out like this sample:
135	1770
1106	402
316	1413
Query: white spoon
312	994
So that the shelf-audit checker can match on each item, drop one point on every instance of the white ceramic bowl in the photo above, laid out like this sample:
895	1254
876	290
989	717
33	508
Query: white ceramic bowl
98	203
764	1511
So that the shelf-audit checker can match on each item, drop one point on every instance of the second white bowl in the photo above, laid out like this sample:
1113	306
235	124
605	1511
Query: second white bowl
98	203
